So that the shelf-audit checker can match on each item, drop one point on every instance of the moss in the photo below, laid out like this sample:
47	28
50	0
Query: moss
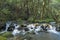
45	20
20	21
31	19
3	38
7	34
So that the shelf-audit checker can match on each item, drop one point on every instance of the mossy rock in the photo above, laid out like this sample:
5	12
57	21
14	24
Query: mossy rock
3	38
7	34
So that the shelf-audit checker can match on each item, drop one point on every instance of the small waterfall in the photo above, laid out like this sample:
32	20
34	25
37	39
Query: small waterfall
7	25
37	29
53	30
16	26
16	31
32	28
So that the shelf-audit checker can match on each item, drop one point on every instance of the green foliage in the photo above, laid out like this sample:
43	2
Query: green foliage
28	10
5	11
46	20
31	19
20	21
3	38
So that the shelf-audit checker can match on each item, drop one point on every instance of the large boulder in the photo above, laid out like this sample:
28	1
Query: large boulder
46	26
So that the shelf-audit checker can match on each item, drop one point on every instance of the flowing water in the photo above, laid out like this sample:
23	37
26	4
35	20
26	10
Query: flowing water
7	25
51	34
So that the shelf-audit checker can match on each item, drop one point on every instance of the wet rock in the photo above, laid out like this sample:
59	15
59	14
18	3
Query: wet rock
23	25
11	28
26	29
57	28
2	27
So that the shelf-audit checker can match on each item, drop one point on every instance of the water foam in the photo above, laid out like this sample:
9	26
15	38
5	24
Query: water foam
53	31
